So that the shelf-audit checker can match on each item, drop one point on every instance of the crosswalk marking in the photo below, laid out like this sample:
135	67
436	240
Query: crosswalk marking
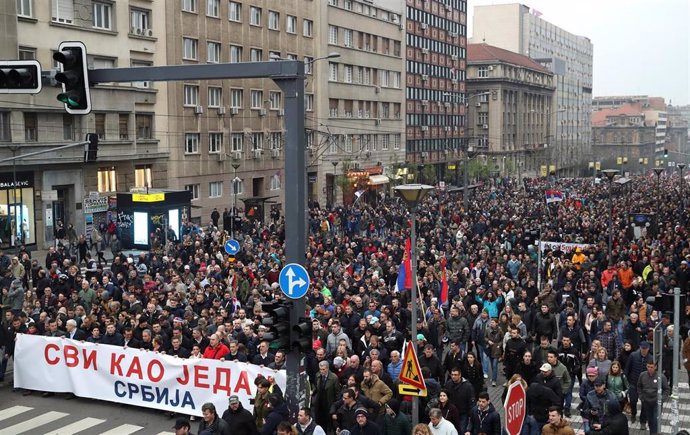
11	412
165	433
77	426
125	429
33	423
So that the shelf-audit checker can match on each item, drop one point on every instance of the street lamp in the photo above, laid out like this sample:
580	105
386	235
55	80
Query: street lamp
234	199
413	194
610	173
335	187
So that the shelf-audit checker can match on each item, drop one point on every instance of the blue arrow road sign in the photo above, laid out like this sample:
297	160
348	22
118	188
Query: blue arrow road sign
294	280
232	246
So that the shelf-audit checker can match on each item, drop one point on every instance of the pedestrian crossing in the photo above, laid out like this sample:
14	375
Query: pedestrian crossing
17	420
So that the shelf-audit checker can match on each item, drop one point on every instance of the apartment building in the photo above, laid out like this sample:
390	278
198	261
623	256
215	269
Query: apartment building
517	28
58	186
436	33
509	109
359	132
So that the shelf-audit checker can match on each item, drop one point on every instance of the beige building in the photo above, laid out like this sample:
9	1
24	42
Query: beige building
359	96
128	118
510	116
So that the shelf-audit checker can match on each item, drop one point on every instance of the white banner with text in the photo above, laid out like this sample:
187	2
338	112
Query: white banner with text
563	247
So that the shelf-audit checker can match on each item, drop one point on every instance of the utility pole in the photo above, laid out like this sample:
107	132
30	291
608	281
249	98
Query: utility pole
676	358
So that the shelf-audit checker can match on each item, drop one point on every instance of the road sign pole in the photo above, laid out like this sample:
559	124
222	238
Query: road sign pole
675	417
413	295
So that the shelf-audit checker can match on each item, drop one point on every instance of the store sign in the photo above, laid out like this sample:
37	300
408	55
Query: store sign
21	179
148	197
95	204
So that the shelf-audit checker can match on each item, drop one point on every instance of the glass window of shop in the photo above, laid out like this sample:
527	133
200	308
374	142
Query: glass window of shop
17	224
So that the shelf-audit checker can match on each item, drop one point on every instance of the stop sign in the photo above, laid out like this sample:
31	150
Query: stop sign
515	408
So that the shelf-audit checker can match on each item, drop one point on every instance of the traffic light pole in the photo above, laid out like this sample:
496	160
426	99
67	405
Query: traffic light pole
289	76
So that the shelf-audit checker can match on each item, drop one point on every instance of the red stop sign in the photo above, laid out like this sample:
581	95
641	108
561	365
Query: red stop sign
515	408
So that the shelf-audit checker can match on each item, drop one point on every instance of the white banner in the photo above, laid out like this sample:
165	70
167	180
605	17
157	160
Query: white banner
133	376
563	247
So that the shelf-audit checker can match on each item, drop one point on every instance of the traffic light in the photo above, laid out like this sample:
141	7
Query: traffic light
665	153
74	77
278	323
91	148
20	77
303	335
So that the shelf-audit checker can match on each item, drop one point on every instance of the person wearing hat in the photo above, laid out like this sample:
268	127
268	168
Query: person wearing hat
549	379
239	420
363	426
616	423
635	366
182	426
595	408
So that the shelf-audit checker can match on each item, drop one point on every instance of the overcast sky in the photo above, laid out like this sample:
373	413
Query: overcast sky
641	47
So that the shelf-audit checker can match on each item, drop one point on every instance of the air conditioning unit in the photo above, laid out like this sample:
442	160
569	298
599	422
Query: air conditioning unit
311	152
257	153
454	57
262	112
377	89
377	121
479	104
425	128
485	126
425	155
199	110
448	7
453	34
447	127
234	110
425	51
237	155
149	32
275	153
133	30
222	157
447	104
281	112
140	31
491	68
221	110
454	81
425	77
425	102
445	152
424	26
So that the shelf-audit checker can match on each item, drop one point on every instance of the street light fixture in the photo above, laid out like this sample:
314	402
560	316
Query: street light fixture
413	195
335	187
610	174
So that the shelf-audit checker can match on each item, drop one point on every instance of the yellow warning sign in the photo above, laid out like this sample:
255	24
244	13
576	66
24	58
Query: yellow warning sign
411	373
409	390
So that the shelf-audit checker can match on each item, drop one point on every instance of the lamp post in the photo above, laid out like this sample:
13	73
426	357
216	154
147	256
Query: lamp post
335	186
413	194
235	166
610	173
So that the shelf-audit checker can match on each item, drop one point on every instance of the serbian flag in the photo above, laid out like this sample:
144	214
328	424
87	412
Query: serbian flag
553	196
444	282
405	275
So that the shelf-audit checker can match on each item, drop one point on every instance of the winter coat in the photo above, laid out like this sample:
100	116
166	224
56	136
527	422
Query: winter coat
377	390
457	328
485	422
370	428
398	425
539	398
461	395
218	427
240	421
563	428
16	295
495	336
636	365
277	414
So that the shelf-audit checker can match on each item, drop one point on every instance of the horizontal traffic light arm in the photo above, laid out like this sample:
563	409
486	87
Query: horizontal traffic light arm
36	153
20	77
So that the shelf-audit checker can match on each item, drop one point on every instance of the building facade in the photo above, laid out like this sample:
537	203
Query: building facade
133	141
510	97
435	56
516	28
360	132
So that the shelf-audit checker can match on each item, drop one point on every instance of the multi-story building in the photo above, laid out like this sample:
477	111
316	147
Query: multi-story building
435	62
226	141
58	186
509	108
516	28
359	96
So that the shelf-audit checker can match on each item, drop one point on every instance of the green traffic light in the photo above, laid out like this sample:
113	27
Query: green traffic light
64	98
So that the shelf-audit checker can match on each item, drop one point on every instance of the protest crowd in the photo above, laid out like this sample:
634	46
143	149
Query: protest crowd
577	325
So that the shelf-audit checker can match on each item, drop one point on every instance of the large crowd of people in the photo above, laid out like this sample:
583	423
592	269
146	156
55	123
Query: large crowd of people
566	323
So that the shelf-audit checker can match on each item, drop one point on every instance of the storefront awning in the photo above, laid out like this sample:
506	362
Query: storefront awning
375	180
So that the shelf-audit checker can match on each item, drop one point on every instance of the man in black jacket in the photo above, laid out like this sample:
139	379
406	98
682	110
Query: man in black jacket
483	417
239	420
461	395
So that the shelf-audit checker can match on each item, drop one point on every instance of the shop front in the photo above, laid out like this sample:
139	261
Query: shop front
367	185
17	211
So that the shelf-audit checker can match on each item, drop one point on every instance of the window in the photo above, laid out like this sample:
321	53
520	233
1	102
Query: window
332	35
333	2
237	142
143	176
347	4
482	117
215	96
62	11
237	186
100	62
189	5
102	15
483	72
236	98
140	64
291	24
275	182
273	55
215	143
308	65
215	189
255	54
139	21
347	73
235	54
235	12
385	140
24	8
107	180
191	143
274	100
194	189
308	28
30	127
213	8
383	78
273	20
332	71
123	125
190	48
5	135
100	125
396	141
191	95
144	126
257	141
395	79
257	99
26	53
213	52
67	127
254	16
309	102
275	140
347	38
292	56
